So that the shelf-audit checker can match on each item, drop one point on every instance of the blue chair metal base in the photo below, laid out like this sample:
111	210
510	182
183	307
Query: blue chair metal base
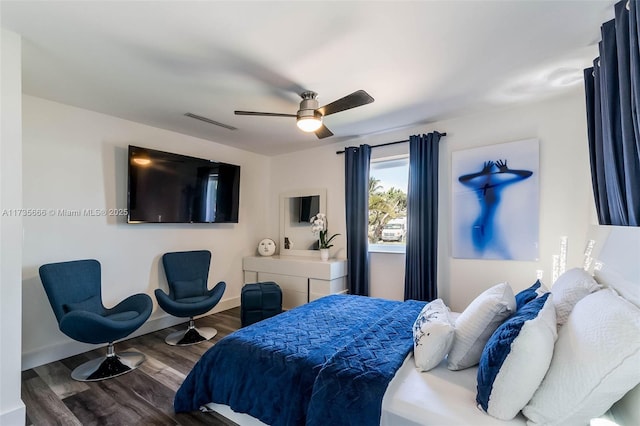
191	336
106	367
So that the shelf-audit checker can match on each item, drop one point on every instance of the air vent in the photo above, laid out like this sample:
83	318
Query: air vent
210	121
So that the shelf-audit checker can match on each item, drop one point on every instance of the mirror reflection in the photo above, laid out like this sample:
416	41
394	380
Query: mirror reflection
301	210
296	210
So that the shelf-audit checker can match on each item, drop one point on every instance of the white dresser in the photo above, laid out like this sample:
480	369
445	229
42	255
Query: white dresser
302	279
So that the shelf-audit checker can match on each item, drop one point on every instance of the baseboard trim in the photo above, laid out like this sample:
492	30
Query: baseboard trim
14	417
69	347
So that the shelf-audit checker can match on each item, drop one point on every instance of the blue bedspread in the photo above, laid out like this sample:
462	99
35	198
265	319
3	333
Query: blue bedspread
326	362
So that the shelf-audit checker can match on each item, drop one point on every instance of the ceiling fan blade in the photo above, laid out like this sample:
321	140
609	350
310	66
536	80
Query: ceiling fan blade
323	132
356	99
264	114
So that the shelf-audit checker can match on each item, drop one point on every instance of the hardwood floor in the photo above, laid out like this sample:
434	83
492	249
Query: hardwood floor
142	397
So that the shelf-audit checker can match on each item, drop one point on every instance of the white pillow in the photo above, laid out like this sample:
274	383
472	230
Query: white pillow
569	288
432	335
477	323
516	358
595	362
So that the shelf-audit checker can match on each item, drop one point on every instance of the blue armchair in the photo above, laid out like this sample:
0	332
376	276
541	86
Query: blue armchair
75	294
187	275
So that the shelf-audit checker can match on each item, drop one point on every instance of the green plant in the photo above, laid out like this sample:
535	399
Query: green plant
325	242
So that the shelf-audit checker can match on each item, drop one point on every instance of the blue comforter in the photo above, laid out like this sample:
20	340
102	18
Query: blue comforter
326	362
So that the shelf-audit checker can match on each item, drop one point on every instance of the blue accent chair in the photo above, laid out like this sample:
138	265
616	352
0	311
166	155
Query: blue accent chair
187	275
75	294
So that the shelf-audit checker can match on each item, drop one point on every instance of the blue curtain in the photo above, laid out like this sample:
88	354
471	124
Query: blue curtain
421	270
612	89
356	164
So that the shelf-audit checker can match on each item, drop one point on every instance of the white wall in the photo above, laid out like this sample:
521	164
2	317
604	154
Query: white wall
77	159
566	202
12	410
318	167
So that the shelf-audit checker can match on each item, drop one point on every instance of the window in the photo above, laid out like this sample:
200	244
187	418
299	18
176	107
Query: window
388	182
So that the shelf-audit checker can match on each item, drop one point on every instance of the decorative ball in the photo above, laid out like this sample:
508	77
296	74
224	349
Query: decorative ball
267	247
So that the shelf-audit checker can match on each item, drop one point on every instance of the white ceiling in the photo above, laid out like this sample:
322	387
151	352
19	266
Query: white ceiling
422	61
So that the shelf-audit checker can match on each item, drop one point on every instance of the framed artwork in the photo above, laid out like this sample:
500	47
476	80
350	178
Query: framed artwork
496	201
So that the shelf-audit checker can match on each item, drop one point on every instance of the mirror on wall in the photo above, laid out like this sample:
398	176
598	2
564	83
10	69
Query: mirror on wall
296	209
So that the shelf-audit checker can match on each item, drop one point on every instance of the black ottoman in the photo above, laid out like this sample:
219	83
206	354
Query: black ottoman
259	301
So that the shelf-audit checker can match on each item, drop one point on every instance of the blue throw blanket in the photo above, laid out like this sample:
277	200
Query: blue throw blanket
326	362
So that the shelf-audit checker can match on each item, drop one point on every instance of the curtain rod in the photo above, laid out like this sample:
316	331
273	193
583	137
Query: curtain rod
389	143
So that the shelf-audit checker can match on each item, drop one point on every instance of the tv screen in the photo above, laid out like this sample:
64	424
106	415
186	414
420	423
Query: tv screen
173	188
309	207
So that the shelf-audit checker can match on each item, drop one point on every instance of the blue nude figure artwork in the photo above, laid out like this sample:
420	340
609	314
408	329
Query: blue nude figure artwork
495	202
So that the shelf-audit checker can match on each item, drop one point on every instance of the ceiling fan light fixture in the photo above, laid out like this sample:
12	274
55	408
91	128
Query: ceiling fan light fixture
309	121
309	117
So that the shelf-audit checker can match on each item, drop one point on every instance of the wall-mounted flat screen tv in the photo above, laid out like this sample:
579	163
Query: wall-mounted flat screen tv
173	188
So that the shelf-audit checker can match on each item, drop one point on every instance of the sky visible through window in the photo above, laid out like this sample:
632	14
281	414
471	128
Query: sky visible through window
391	173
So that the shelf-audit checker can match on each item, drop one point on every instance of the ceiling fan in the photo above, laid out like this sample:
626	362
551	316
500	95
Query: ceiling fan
309	116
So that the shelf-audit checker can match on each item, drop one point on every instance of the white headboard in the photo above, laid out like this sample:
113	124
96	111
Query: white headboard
616	264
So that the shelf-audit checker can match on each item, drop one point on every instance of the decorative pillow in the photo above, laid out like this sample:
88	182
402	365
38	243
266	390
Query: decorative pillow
185	289
569	288
477	323
90	304
516	358
595	362
432	335
528	294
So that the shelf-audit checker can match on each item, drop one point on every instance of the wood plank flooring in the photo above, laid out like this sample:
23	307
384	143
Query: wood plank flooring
142	397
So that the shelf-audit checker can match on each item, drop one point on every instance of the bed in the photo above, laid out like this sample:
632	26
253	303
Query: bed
308	365
311	364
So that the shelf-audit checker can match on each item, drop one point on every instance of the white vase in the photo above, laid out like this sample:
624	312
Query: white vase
324	254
